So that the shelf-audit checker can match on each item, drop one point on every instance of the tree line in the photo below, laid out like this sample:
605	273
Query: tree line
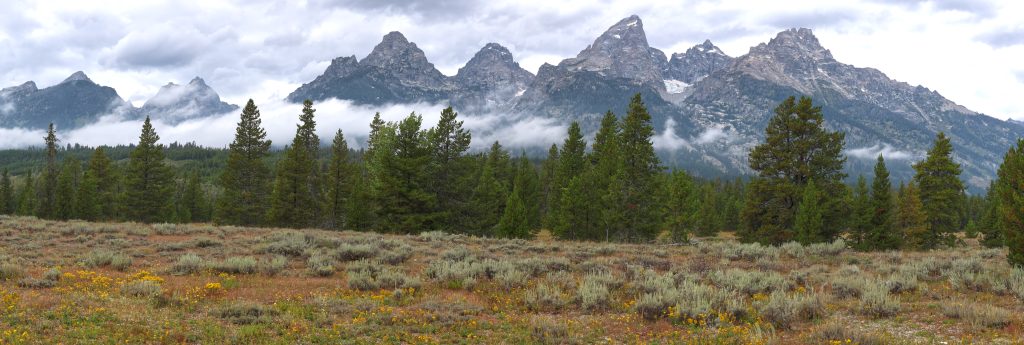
409	179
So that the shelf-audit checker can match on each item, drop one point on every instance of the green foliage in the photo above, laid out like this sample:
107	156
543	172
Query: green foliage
678	211
809	223
797	149
991	222
27	197
46	206
640	171
245	180
938	178
514	222
1010	190
7	201
339	184
67	187
860	215
450	169
911	221
402	157
549	188
149	182
491	192
192	201
882	235
296	199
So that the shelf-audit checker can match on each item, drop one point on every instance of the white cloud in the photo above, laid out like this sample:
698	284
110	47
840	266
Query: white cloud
886	150
668	140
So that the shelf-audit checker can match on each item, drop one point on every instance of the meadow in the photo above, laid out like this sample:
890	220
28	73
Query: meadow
78	282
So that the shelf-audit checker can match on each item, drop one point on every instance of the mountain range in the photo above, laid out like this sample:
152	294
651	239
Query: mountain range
78	101
709	108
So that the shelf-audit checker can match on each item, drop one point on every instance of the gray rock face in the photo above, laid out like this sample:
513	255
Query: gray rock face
696	63
75	102
395	71
621	52
877	113
492	79
175	103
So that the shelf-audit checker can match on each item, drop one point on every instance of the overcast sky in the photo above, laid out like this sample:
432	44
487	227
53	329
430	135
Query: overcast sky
972	52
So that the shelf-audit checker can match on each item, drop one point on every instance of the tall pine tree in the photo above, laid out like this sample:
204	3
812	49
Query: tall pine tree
549	188
149	182
6	194
938	180
572	164
245	180
809	220
678	205
450	169
101	185
339	179
295	201
491	192
1011	202
991	223
911	220
797	149
27	197
640	167
46	206
882	235
860	215
67	189
405	203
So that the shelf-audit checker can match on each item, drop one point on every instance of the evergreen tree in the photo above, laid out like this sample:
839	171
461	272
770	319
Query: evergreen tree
797	149
607	185
578	219
678	205
379	151
641	168
707	218
514	221
295	201
861	215
809	223
47	199
149	183
27	197
1011	202
549	188
529	190
193	205
491	192
67	187
359	212
86	205
406	205
245	179
991	223
101	185
882	235
6	194
911	220
340	176
938	180
572	163
448	143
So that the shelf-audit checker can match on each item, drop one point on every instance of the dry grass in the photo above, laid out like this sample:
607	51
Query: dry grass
76	282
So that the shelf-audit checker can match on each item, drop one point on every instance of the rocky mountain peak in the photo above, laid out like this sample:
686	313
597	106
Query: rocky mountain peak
491	78
77	76
26	87
175	102
621	51
198	82
394	45
696	63
796	43
405	61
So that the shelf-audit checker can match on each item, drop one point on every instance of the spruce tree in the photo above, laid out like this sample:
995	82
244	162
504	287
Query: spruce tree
87	206
797	149
641	168
149	182
882	235
67	188
528	181
101	185
809	223
514	221
450	169
405	203
193	205
549	188
295	201
491	193
27	197
359	211
245	180
608	172
6	194
1011	202
707	218
991	223
911	220
47	194
860	215
678	206
572	163
938	180
578	219
339	179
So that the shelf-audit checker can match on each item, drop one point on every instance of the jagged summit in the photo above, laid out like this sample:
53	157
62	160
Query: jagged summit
175	103
492	78
77	76
795	42
696	63
28	86
621	51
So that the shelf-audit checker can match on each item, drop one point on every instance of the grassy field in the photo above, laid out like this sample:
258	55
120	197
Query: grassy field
74	282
